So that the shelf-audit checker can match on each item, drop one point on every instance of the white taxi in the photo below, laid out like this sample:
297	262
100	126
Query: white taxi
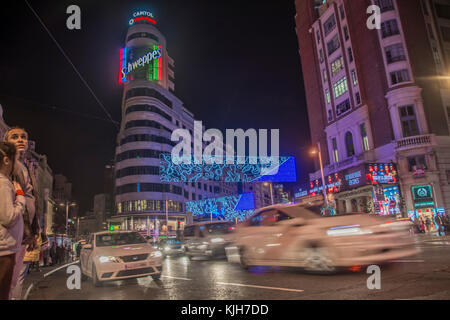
119	255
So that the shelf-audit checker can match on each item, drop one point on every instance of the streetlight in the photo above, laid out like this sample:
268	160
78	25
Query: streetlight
270	189
318	151
67	204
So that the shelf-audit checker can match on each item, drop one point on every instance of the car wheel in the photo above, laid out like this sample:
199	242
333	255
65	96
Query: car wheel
243	258
317	260
156	276
95	280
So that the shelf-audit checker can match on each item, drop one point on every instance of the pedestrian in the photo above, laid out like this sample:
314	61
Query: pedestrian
12	207
45	250
446	224
428	224
27	181
59	254
422	226
52	253
31	259
439	222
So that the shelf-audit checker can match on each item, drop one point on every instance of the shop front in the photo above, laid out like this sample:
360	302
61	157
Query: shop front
425	209
149	225
367	188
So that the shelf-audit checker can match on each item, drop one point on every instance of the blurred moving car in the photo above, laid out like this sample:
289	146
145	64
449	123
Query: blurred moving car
207	239
295	236
170	246
119	255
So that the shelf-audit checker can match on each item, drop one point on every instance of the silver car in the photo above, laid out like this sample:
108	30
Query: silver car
207	239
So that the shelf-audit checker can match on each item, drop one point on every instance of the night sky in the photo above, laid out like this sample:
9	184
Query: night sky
237	65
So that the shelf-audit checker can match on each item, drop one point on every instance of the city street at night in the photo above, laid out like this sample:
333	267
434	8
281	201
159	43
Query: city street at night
225	159
425	276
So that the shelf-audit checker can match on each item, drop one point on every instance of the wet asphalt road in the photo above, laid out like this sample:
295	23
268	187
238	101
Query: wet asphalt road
425	276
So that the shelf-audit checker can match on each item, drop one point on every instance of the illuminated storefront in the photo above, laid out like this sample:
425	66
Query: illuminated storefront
368	188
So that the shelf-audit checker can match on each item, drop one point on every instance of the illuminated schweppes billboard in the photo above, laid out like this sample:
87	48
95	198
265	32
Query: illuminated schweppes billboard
141	63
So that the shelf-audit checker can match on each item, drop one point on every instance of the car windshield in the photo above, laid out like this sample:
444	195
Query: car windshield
118	239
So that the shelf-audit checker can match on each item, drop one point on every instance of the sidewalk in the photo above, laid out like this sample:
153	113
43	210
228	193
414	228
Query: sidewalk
34	277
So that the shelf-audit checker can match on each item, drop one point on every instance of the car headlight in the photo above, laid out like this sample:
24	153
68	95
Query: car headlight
217	240
167	249
348	232
104	259
156	254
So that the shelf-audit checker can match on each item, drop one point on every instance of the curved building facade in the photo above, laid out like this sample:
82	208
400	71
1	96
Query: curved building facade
150	112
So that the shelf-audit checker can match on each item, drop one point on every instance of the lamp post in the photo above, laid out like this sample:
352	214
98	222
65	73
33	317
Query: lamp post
318	151
67	204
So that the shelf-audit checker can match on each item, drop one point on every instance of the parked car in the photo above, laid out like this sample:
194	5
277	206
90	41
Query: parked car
295	236
119	255
207	239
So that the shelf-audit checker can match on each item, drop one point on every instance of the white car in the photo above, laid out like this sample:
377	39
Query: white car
119	255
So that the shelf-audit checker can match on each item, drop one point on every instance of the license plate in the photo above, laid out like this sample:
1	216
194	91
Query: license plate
135	266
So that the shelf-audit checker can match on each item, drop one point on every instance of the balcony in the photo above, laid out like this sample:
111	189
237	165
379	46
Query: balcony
425	140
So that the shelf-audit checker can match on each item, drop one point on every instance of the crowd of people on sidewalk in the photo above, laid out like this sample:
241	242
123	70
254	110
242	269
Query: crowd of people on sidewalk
440	225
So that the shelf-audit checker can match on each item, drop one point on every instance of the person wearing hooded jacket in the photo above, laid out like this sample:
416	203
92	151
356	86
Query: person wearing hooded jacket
21	174
12	207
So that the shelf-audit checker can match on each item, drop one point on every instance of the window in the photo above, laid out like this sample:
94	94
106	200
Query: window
327	95
443	11
330	115
329	25
132	171
336	66
335	150
349	144
149	108
205	187
425	8
358	98
343	107
399	76
340	87
395	53
200	197
430	31
333	45
199	185
341	10
137	154
142	35
146	137
137	92
186	195
385	5
324	74
416	161
445	33
408	121
146	123
350	55
193	196
354	78
321	55
365	139
148	187
318	36
389	28
448	113
346	35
